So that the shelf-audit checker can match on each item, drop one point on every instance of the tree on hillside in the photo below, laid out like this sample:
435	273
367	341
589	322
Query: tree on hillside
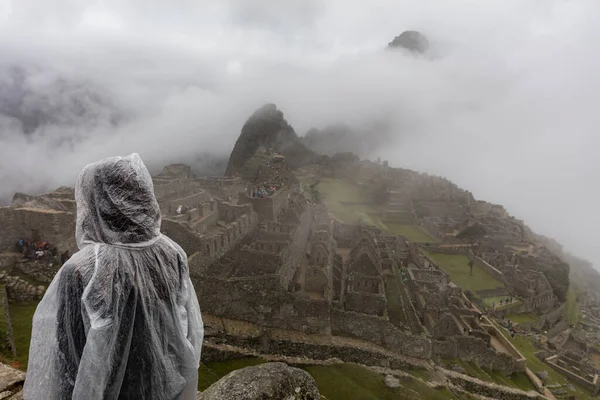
472	233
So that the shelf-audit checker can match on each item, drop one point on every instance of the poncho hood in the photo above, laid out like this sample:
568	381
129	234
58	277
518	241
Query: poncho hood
116	204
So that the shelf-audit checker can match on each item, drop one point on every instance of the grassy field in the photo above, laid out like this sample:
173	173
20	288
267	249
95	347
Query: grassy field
352	382
411	232
335	382
523	318
21	315
457	266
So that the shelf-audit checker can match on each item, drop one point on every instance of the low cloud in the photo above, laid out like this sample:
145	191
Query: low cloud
503	103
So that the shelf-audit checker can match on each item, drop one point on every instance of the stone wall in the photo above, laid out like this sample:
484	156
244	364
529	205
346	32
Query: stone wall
368	303
189	241
38	270
172	188
8	261
230	212
447	349
556	329
220	186
294	255
263	301
169	207
21	291
432	249
10	336
380	331
55	227
214	246
554	316
552	362
478	351
267	208
487	267
293	344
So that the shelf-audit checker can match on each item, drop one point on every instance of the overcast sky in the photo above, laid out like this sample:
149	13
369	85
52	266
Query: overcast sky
505	103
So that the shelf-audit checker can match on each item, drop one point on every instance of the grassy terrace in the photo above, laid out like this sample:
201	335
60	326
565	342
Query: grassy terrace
352	382
572	313
337	382
411	232
394	304
349	203
457	266
517	380
523	318
21	315
525	347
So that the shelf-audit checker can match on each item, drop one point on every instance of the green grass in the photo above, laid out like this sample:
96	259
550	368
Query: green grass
394	302
340	198
517	380
21	315
528	350
349	203
457	266
572	314
523	318
411	232
352	382
338	382
489	301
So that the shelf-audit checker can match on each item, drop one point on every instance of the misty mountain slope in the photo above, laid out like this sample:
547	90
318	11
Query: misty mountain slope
410	40
34	98
343	138
267	128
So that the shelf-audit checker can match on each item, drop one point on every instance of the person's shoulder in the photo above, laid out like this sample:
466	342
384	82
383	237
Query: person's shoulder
169	242
80	263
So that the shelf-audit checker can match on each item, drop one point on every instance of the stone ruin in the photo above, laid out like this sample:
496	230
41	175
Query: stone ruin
20	290
283	264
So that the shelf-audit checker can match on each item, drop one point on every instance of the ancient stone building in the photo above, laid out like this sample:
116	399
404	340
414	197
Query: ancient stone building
365	290
49	217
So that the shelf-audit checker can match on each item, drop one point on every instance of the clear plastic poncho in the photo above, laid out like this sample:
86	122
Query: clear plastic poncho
121	319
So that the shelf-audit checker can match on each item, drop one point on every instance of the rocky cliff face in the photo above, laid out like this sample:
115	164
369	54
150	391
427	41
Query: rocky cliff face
268	129
267	381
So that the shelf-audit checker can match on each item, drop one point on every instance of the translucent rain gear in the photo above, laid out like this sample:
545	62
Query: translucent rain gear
121	319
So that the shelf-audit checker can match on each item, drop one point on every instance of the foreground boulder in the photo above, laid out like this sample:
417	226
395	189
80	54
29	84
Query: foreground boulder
266	381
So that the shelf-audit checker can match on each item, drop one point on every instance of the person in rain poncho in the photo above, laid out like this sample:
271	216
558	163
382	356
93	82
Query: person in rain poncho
121	319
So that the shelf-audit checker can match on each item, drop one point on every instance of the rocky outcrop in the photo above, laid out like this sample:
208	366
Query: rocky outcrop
267	381
268	129
11	383
410	40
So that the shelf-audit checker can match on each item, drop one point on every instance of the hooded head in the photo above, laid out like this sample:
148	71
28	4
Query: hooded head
116	203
